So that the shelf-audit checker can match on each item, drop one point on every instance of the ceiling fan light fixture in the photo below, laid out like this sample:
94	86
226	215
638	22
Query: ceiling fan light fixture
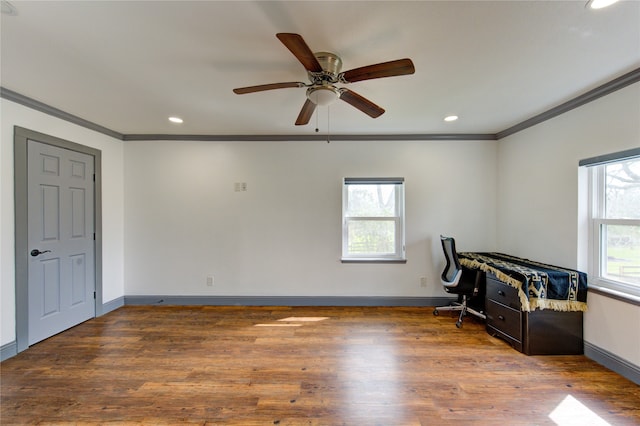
451	118
176	120
322	95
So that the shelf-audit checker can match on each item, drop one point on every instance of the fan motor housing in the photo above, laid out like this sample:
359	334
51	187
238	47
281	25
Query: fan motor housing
330	62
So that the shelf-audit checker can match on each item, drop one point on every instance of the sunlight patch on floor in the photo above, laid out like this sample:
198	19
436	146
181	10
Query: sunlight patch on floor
304	319
572	412
292	321
278	325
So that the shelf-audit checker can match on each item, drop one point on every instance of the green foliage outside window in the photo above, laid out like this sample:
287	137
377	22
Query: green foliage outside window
622	201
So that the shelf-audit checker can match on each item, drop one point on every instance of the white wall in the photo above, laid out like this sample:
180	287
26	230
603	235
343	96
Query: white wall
13	114
282	237
538	214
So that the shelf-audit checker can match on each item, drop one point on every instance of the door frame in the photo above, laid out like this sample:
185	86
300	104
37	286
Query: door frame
20	139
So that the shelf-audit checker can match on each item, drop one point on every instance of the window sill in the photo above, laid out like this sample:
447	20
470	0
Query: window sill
372	260
613	294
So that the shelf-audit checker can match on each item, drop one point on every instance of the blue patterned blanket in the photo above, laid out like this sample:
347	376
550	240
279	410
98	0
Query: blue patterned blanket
540	286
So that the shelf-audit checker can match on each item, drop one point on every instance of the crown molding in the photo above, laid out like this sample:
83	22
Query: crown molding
590	96
302	138
55	112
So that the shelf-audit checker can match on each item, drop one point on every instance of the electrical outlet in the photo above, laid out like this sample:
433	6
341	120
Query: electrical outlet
423	281
210	281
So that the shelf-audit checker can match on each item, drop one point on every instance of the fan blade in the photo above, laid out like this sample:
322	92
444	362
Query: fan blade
305	113
363	104
260	88
384	69
296	44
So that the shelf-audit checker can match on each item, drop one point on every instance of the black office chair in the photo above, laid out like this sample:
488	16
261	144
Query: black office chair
465	283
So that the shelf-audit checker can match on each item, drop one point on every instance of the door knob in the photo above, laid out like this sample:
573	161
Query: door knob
36	252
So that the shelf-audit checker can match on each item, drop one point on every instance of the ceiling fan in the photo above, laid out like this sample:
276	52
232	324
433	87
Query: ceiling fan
324	72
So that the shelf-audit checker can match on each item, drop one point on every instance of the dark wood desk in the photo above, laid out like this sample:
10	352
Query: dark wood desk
537	331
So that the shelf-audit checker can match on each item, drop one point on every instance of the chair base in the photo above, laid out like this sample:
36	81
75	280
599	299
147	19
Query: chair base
463	308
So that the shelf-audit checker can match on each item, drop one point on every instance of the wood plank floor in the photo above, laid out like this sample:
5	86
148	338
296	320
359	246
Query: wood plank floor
301	365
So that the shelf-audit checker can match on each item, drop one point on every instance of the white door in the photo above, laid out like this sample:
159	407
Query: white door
61	243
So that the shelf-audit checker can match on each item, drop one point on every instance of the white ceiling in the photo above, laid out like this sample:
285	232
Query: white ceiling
129	65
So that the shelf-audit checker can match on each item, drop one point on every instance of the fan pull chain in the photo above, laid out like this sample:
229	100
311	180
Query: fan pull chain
317	113
328	126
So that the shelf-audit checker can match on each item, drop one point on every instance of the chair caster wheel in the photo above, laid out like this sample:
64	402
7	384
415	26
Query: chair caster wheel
458	324
436	313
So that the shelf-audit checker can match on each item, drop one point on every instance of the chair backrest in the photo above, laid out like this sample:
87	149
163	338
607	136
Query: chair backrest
453	271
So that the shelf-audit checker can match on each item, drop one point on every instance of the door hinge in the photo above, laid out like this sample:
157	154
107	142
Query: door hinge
94	177
94	236
94	295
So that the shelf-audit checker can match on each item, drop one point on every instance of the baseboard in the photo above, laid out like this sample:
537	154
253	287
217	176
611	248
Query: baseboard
112	305
285	300
8	350
613	362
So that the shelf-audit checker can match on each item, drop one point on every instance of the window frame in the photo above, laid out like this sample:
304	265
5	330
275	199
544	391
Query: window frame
598	221
399	254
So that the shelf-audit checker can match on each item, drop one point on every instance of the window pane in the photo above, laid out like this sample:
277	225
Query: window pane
371	200
621	253
371	236
623	190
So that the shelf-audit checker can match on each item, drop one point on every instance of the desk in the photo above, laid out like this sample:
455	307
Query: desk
539	285
535	307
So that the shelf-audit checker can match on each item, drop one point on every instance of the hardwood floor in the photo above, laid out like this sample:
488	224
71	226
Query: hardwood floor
301	365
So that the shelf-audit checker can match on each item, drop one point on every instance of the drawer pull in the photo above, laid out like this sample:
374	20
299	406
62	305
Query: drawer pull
500	317
501	293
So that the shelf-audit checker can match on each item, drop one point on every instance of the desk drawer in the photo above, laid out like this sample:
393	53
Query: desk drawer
502	293
504	319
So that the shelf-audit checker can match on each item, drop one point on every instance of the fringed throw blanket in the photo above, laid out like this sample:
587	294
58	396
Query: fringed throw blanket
540	286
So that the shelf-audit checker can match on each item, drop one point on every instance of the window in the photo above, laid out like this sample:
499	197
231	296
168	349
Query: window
373	220
614	229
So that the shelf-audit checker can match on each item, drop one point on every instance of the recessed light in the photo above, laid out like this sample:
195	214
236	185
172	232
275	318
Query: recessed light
599	4
176	120
451	118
